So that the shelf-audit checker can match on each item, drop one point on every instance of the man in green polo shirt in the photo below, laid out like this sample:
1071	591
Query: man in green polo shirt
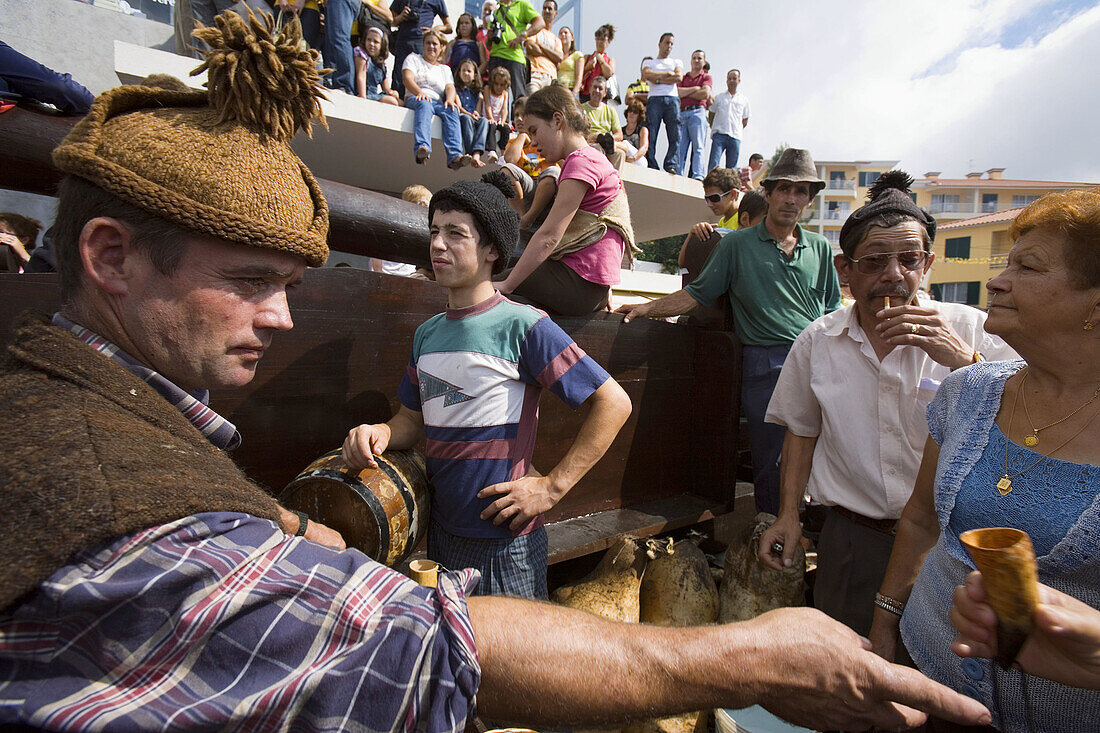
516	21
779	279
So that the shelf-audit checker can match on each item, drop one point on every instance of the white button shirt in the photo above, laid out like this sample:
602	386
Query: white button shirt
729	110
868	416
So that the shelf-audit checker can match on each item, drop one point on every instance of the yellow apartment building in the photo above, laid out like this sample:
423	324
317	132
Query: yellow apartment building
846	184
968	253
980	193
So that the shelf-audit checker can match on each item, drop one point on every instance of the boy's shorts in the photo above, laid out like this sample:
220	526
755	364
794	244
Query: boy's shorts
514	566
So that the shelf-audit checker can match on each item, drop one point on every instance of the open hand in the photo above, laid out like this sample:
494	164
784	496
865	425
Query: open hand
826	677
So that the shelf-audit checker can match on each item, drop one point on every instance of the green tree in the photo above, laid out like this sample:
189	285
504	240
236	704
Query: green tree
665	250
775	156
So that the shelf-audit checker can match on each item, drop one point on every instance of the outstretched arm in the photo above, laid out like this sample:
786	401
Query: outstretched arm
523	499
674	304
558	666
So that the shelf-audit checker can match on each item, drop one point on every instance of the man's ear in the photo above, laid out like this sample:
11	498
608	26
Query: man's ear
840	262
108	254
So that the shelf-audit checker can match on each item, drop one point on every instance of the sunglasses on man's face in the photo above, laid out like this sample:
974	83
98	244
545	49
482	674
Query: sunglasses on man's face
876	263
713	198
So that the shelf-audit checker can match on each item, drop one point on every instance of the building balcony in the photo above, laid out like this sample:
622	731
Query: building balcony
968	208
839	187
826	216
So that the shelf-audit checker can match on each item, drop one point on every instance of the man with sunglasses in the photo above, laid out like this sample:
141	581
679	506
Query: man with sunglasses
852	395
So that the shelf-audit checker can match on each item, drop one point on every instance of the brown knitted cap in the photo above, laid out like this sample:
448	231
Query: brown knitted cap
218	162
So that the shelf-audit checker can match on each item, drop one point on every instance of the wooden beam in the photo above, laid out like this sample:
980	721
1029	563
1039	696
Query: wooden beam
361	222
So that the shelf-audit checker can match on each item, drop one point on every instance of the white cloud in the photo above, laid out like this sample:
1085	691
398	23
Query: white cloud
926	83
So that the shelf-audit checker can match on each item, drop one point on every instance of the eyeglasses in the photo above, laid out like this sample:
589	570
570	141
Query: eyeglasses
713	198
876	263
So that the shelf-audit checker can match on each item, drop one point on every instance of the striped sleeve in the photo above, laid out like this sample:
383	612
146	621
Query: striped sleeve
550	359
409	390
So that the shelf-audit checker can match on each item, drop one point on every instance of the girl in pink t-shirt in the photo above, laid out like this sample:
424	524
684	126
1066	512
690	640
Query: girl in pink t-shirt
580	282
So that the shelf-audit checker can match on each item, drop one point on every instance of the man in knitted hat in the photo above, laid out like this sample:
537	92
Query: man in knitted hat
779	278
472	388
852	395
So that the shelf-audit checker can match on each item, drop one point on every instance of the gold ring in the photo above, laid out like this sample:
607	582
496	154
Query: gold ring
914	328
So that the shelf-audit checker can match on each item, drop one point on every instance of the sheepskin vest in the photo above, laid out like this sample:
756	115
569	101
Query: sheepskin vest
92	453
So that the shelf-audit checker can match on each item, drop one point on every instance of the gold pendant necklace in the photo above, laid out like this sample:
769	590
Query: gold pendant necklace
1004	485
1033	440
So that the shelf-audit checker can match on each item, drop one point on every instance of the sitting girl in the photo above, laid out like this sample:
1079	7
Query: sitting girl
474	127
496	100
371	79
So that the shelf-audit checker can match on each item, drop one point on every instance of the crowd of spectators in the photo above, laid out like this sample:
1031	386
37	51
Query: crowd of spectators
371	46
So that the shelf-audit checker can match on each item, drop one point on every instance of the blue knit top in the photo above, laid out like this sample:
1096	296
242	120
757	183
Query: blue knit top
1056	502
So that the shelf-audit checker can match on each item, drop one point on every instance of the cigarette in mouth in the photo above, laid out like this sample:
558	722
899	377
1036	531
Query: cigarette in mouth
887	299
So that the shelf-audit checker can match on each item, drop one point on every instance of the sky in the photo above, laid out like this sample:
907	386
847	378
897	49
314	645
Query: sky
941	85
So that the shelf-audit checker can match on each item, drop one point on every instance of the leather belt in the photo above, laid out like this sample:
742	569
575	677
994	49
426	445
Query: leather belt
885	526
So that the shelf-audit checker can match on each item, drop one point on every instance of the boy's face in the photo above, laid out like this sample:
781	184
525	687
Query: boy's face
517	120
458	257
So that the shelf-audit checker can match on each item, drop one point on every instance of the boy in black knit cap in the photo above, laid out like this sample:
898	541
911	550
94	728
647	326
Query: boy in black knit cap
472	389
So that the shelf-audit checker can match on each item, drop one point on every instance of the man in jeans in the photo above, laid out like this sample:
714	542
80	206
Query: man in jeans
729	116
695	92
663	105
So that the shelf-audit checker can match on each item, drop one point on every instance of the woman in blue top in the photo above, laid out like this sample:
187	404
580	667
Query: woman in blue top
1014	444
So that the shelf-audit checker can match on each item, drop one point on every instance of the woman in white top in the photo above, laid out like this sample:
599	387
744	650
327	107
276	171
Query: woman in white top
430	90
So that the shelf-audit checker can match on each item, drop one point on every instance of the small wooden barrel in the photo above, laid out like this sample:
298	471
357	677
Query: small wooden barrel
382	512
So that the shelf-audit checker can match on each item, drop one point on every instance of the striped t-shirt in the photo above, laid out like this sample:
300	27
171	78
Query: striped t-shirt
476	374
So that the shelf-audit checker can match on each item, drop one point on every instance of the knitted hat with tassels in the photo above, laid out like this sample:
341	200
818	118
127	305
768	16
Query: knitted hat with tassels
218	162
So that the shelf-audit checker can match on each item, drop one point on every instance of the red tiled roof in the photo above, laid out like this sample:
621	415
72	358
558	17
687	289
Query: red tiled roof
998	183
1007	215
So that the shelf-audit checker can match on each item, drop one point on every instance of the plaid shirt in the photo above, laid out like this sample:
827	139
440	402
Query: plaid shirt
219	621
216	428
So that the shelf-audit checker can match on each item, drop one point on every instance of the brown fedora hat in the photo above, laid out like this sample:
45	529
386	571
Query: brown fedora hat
795	165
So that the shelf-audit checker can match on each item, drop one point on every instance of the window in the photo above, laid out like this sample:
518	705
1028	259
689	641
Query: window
965	292
989	203
1024	199
945	202
868	178
957	247
833	235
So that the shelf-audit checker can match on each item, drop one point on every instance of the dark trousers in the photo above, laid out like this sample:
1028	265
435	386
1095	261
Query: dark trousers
666	110
555	287
851	563
518	73
760	367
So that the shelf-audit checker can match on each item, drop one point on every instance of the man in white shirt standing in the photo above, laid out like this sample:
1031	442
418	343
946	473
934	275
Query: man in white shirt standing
729	116
663	104
853	393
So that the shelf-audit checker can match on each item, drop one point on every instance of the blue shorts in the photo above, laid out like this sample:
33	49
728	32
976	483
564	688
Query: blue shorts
514	566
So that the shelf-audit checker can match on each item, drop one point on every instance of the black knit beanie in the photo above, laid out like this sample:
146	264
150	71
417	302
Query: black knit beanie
889	195
486	201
